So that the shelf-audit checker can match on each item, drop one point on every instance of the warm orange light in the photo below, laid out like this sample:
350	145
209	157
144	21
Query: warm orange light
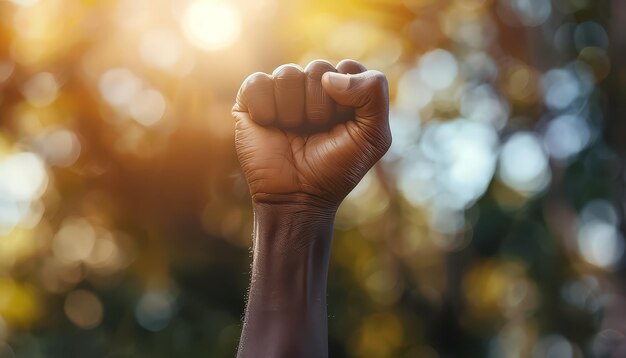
211	25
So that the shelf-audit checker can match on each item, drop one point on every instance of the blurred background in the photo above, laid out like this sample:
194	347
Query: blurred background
494	227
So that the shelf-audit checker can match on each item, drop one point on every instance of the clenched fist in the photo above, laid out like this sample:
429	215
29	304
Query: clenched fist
311	134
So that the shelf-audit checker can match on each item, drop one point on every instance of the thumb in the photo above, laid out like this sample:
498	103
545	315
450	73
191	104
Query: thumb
366	92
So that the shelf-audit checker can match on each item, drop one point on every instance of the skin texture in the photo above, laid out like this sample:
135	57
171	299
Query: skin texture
304	139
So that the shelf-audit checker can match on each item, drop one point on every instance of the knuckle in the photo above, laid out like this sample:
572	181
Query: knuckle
287	70
377	79
258	86
315	69
350	66
289	77
347	61
255	78
319	63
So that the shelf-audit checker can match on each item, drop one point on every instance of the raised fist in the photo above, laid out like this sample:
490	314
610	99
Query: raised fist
311	134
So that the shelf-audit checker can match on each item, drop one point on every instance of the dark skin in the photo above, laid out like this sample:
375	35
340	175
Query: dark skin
304	139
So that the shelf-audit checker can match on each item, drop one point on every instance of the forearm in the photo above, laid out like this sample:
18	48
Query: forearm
286	312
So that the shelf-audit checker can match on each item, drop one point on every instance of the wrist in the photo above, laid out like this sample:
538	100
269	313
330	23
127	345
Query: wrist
304	201
287	297
283	228
291	251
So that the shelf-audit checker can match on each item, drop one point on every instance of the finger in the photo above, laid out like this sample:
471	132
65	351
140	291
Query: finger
366	92
256	96
348	67
320	108
351	67
289	83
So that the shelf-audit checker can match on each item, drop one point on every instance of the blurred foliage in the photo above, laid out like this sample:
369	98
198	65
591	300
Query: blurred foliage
493	227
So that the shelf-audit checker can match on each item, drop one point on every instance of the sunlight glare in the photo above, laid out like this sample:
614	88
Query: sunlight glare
211	25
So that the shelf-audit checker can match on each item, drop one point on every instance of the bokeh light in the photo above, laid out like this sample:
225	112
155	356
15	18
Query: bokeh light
160	48
438	69
600	243
60	147
211	25
118	86
524	164
41	90
74	241
561	88
154	310
566	136
84	309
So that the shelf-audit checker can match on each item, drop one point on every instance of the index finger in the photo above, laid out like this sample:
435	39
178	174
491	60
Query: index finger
256	96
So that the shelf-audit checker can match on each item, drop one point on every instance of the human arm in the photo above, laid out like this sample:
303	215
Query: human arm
304	139
286	312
